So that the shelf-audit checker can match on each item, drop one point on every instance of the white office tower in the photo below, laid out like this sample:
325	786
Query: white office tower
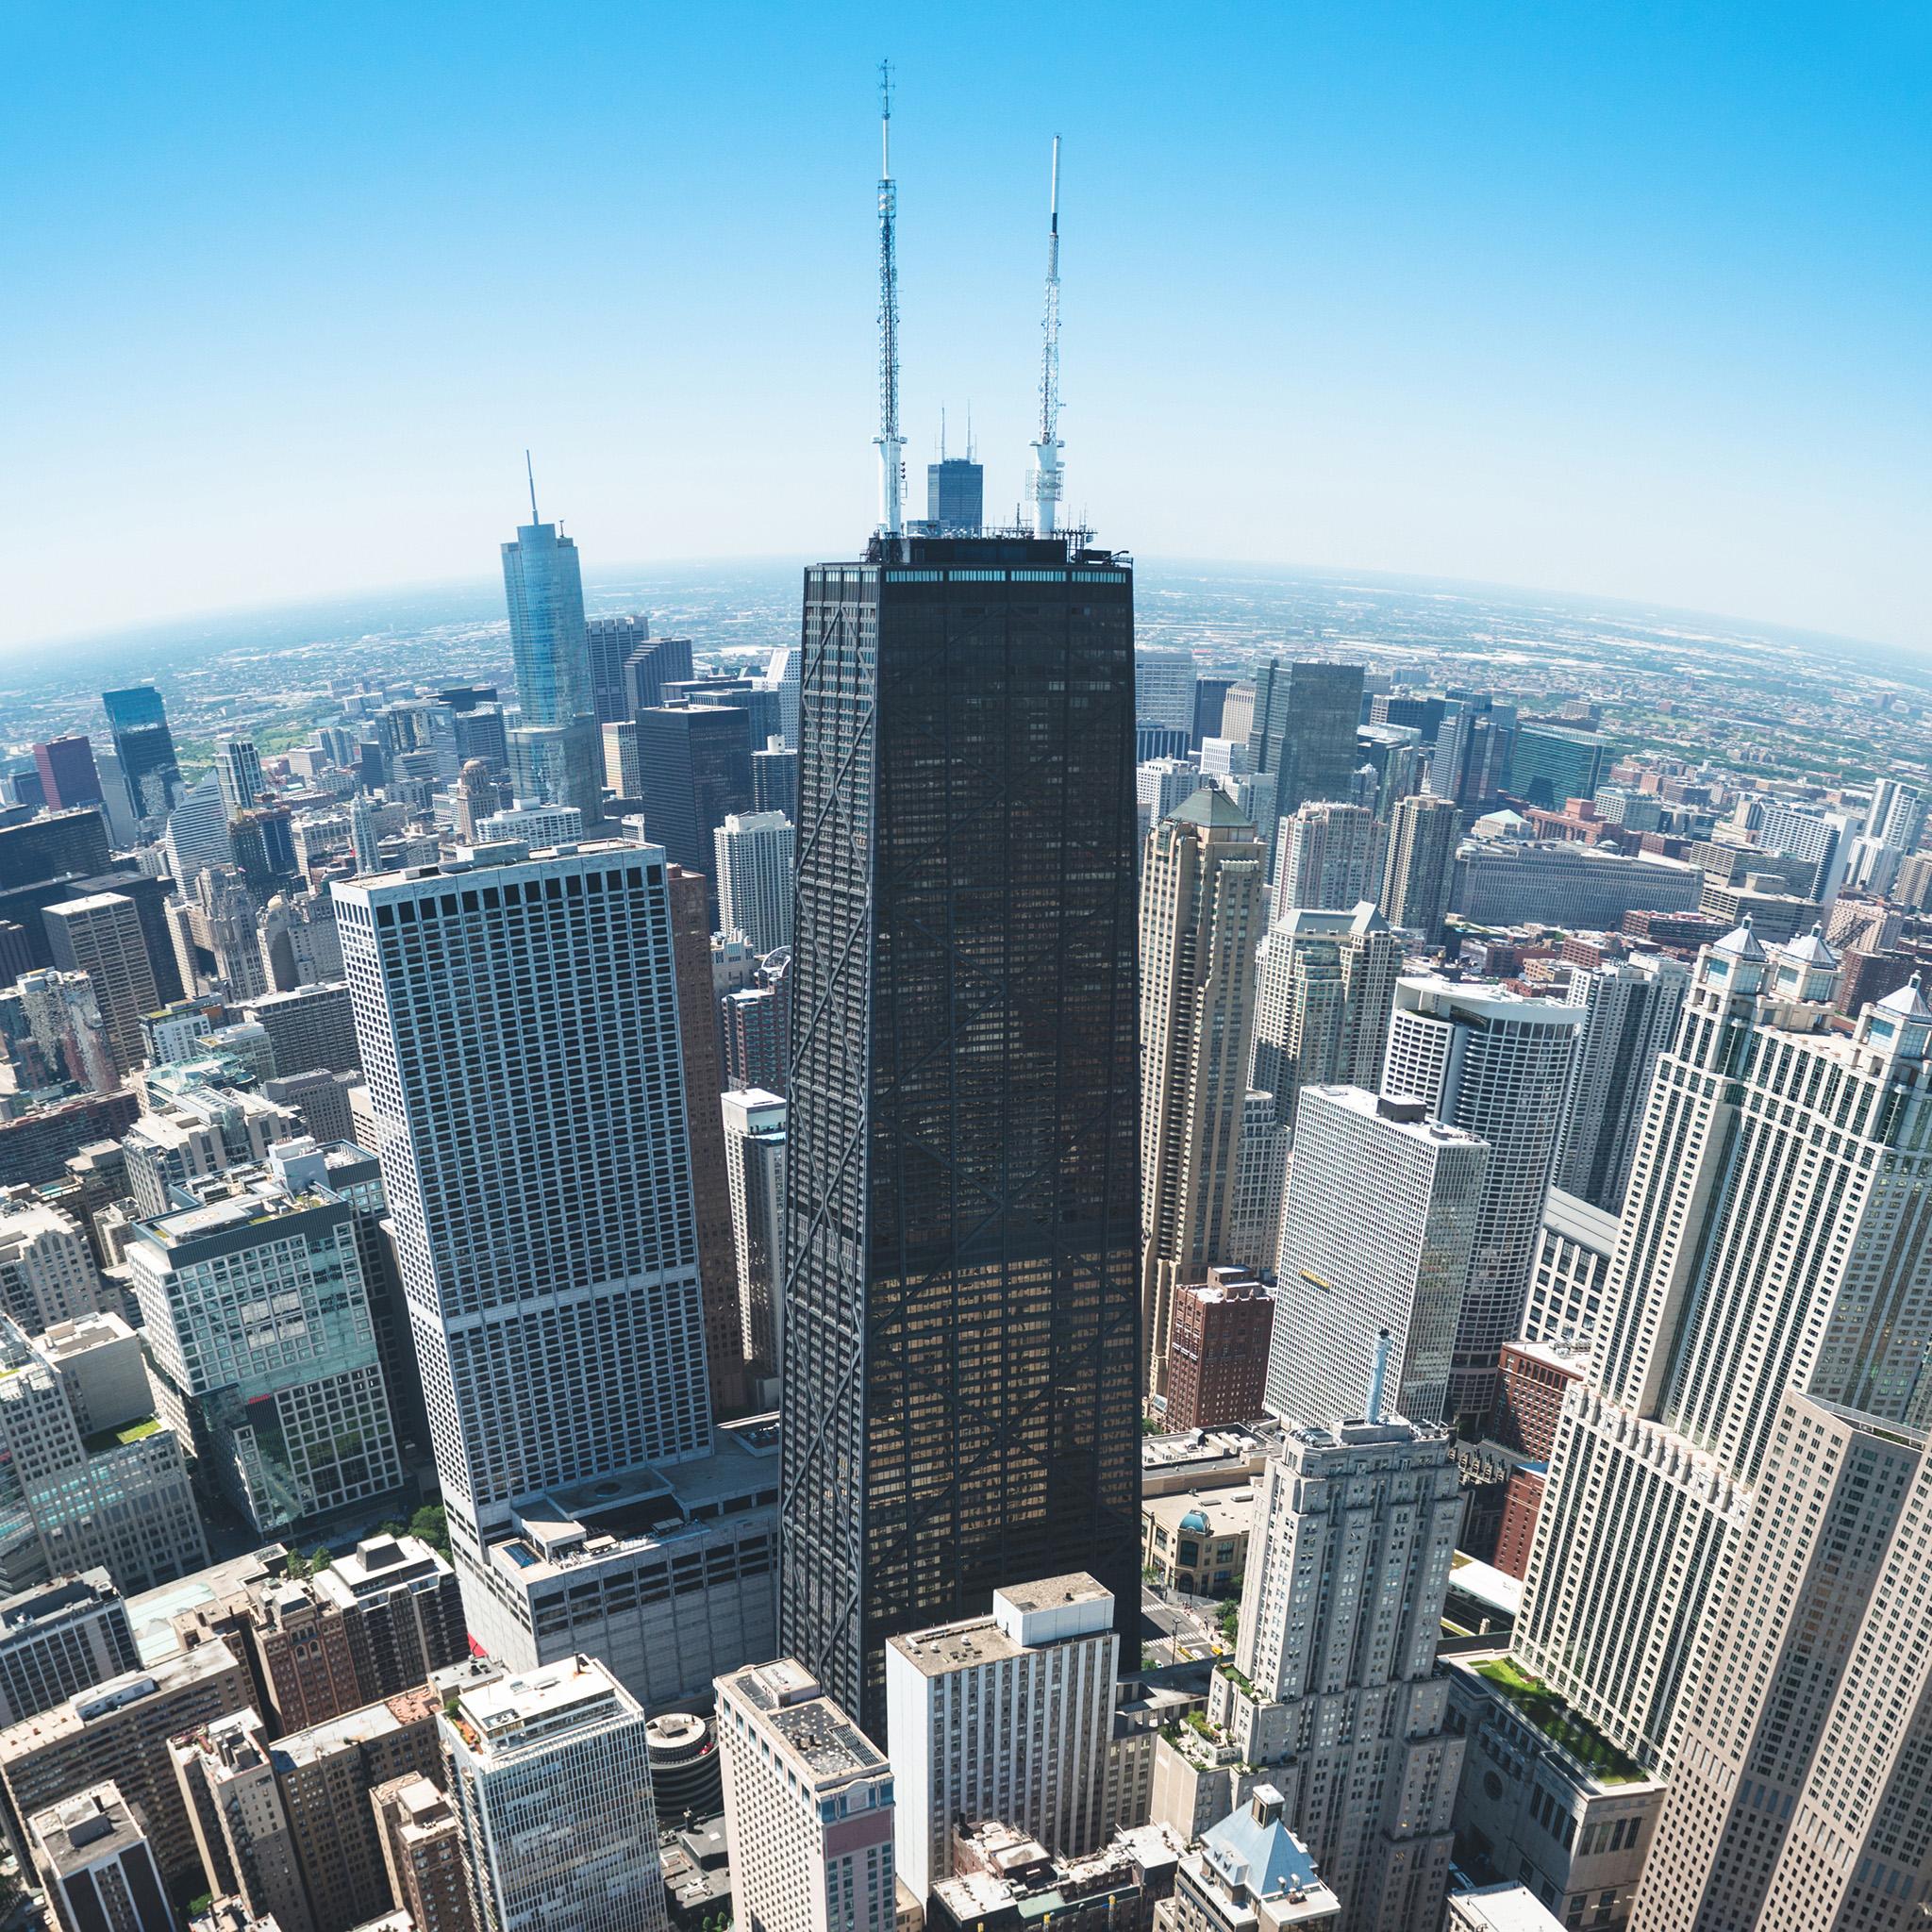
1201	917
238	775
1322	857
1377	1232
1260	1174
197	833
1892	829
1006	1717
1822	840
1484	1060
1774	1239
518	1025
1823	1612
754	877
1335	1692
532	824
1629	1008
755	1175
808	1806
1325	989
551	1775
1164	689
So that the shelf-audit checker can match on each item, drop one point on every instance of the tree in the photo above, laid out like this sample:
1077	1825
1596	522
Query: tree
431	1524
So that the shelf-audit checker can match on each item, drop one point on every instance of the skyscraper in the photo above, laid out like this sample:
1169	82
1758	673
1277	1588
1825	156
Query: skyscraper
1324	849
1630	1008
961	1337
1480	1057
754	1170
550	1773
1773	1239
652	665
1335	1692
696	769
1325	989
146	748
610	642
1424	833
238	774
955	495
1260	1171
1302	733
1780	1694
1164	689
1469	765
68	775
100	937
754	872
1360	1260
1202	913
556	754
519	1029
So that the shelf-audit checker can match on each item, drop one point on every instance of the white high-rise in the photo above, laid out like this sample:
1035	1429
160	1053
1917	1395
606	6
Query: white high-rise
1325	989
1164	689
1483	1058
755	1173
519	1031
1360	1257
238	774
1261	1173
1004	1716
1630	1008
550	1773
1335	1692
197	836
1322	852
754	876
808	1806
1777	1236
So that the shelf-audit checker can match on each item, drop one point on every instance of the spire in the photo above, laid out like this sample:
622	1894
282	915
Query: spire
532	475
1046	451
888	441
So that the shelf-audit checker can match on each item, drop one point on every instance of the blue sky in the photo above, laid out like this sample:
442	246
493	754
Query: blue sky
1624	299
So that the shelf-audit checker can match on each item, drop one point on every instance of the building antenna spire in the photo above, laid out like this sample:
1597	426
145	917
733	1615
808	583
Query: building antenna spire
532	475
891	445
1046	451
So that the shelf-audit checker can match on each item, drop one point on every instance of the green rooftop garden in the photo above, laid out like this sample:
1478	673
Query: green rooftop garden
126	1433
1560	1724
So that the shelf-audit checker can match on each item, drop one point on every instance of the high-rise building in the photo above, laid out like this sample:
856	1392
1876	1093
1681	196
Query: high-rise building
60	1636
101	936
1504	882
1359	1260
238	774
68	773
1549	764
121	1728
53	1033
808	1806
1573	1253
704	1080
556	755
146	748
1004	1715
1325	989
1792	1801
1484	1059
1302	733
1162	785
1324	848
1210	697
518	1030
1424	833
1336	1692
1771	1240
650	667
422	1851
624	759
48	1272
550	1775
962	1127
754	873
1164	689
1201	914
310	1026
92	1853
1218	1354
754	1167
197	838
755	1031
1822	840
697	768
1630	1009
1251	1874
610	642
775	780
956	496
1261	1173
1473	746
240	1822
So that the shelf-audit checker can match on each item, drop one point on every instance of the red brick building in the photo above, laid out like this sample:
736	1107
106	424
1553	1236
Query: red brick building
1529	1395
1218	1351
1523	1502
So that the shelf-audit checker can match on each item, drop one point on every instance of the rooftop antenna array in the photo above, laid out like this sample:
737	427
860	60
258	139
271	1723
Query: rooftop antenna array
1046	451
890	443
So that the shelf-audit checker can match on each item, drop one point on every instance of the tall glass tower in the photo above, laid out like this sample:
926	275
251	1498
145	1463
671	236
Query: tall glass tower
556	753
146	746
962	1311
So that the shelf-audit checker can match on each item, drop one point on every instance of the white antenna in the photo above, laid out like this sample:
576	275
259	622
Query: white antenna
891	445
1046	452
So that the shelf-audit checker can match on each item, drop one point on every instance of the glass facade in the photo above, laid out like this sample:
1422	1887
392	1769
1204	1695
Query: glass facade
139	722
963	1318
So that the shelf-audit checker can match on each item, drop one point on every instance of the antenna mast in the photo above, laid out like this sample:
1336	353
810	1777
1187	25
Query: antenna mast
1046	451
532	475
891	445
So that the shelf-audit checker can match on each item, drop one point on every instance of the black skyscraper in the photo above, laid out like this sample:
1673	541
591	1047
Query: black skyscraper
145	747
1304	734
697	768
964	1196
955	494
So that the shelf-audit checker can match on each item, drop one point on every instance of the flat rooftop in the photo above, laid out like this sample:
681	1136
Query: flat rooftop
353	1727
957	1646
1050	1593
813	1730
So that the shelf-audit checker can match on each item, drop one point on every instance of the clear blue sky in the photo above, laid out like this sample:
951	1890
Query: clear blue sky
1628	299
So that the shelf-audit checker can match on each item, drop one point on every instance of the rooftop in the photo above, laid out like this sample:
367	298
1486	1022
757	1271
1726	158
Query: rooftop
353	1727
534	1708
793	1708
1546	1712
1076	1587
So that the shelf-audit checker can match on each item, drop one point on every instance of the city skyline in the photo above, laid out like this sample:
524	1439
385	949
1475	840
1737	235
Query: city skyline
1393	296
